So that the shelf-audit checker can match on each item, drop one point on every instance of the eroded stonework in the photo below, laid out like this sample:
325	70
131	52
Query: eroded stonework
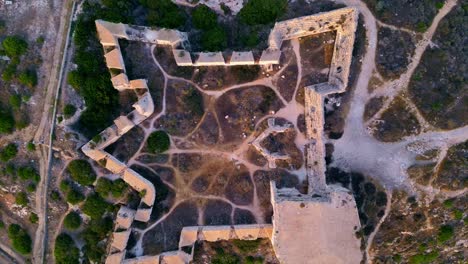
318	226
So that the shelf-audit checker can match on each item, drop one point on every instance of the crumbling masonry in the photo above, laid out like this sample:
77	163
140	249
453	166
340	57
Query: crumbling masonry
317	227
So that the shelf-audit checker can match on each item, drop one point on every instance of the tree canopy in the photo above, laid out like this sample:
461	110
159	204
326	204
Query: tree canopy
203	17
262	11
82	172
158	142
20	239
14	46
163	13
72	221
65	250
95	206
8	152
7	123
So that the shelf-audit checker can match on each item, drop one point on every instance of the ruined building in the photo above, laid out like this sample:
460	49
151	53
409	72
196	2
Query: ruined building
317	227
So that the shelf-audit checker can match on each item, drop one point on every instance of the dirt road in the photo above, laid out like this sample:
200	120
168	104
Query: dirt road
45	131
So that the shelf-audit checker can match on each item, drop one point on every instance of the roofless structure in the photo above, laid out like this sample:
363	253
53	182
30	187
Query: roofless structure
317	227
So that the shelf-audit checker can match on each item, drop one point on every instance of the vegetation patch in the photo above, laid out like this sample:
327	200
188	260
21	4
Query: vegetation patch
445	84
65	250
158	142
72	221
20	239
262	11
81	172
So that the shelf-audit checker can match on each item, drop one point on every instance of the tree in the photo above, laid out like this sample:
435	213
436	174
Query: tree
21	199
28	78
20	239
72	221
214	39
164	13
74	196
82	172
95	206
28	173
14	46
7	123
65	250
203	17
8	152
69	110
158	142
262	11
446	232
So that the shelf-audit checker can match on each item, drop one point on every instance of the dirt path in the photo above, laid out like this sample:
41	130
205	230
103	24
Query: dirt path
46	129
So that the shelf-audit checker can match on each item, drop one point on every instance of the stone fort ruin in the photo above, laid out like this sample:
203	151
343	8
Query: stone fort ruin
317	227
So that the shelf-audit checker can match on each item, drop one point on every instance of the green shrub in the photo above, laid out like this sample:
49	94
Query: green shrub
20	239
7	123
421	27
81	172
40	40
118	188
28	78
9	73
31	187
158	142
95	206
30	146
214	39
65	250
28	173
21	198
8	152
445	233
457	214
15	101
33	218
247	246
74	196
262	11
97	230
448	203
69	110
203	17
253	260
72	221
14	46
10	169
439	5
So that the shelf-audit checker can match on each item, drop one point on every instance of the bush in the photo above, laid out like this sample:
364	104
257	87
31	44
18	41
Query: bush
445	233
30	146
203	17
96	232
69	110
163	13
65	251
158	142
74	196
262	11
95	206
33	218
118	188
9	72
7	123
31	187
214	39
55	195
8	152
222	258
424	258
28	78
14	46
72	221
20	239
21	198
82	172
28	173
15	101
65	186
